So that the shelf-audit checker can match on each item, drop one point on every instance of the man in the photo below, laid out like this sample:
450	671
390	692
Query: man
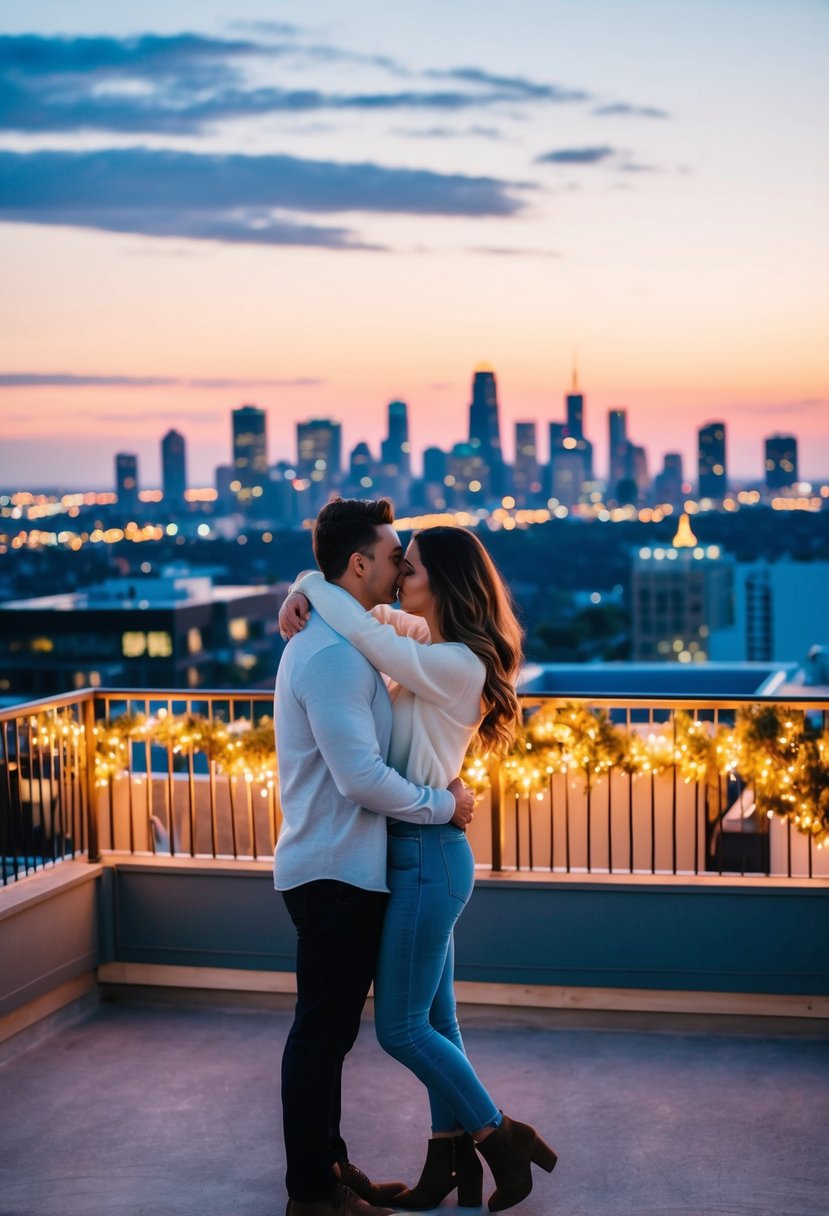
333	726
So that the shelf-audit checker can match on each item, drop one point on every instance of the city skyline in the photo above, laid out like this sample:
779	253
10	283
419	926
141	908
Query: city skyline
322	214
541	438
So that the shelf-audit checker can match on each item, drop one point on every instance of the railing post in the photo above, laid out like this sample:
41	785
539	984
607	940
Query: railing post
88	715
496	796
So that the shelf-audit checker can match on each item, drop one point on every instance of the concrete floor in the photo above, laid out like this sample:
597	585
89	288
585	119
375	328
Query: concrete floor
153	1109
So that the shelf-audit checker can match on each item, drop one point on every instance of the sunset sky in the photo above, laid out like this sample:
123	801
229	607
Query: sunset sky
319	207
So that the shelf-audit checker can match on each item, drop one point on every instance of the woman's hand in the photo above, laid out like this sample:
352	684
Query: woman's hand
293	614
464	803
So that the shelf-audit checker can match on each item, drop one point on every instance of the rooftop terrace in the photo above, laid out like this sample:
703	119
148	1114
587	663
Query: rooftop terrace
174	1109
643	960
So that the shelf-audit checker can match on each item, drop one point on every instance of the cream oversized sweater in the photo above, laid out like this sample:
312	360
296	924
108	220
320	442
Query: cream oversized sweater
435	688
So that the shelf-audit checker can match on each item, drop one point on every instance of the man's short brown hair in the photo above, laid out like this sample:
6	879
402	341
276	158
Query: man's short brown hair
345	526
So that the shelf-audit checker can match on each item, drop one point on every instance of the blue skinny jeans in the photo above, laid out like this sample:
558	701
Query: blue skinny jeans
431	872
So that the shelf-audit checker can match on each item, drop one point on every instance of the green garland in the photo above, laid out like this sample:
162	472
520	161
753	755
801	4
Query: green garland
772	748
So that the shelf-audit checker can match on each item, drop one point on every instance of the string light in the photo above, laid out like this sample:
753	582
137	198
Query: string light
770	748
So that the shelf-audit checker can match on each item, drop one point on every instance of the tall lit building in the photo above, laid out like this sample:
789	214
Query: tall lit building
781	462
713	481
360	478
484	425
467	479
617	421
667	485
173	469
126	481
396	450
525	475
566	466
319	457
574	403
395	457
680	594
250	451
638	459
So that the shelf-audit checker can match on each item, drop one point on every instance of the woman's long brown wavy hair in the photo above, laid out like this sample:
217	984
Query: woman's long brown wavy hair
474	607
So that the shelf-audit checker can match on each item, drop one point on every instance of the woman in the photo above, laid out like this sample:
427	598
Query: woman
451	655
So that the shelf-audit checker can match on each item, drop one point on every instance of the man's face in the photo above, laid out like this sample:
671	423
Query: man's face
382	567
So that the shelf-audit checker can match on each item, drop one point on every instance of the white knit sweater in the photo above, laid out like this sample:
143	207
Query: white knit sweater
435	688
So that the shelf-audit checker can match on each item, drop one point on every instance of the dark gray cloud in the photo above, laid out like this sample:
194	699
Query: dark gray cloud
151	55
623	110
69	380
577	156
234	199
190	81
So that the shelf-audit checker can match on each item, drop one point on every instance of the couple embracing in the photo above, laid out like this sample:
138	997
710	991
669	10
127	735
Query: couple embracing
373	862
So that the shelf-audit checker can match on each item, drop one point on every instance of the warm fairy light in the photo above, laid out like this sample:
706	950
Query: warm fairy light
771	749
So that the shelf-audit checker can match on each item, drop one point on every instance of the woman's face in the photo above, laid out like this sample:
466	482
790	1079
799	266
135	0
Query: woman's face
414	591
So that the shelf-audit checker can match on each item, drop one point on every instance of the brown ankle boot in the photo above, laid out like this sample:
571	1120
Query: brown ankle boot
508	1152
450	1163
342	1203
372	1192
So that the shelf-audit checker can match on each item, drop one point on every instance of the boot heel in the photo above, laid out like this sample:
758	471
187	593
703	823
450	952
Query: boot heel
543	1155
471	1193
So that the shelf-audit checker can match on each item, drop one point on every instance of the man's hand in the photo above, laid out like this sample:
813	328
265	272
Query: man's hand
464	803
293	614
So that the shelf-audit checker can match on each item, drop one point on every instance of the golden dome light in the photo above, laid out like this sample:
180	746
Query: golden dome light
684	538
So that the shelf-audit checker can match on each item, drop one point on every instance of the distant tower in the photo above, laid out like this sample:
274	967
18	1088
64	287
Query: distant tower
484	428
126	481
781	462
395	459
713	482
525	480
668	484
680	594
574	401
360	469
566	465
396	449
575	408
319	457
617	421
173	469
250	451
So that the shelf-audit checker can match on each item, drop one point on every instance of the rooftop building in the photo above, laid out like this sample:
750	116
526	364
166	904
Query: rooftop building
173	632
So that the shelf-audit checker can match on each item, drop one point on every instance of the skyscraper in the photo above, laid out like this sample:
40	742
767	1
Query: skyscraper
713	482
319	457
395	460
173	469
525	480
566	465
781	462
617	421
574	402
126	481
575	409
680	594
395	450
360	481
668	484
484	427
250	451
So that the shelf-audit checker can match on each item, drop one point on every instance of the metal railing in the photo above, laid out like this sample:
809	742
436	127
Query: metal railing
165	772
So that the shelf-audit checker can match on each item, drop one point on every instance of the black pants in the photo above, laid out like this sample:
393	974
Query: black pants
338	936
